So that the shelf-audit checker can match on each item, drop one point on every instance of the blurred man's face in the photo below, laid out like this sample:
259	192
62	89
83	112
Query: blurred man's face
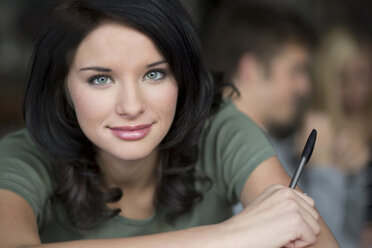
285	84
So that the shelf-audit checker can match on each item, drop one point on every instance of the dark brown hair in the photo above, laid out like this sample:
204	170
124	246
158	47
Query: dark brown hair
53	124
253	27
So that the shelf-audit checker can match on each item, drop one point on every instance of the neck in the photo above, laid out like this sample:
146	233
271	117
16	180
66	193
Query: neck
135	175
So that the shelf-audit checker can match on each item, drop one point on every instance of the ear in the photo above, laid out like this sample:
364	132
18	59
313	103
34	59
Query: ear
249	69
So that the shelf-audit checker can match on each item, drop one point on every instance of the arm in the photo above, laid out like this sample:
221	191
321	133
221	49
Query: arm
271	172
18	226
18	229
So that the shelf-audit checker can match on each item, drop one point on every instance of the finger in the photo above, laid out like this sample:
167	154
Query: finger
308	204
299	243
290	245
288	193
303	233
305	197
307	213
269	191
298	201
311	217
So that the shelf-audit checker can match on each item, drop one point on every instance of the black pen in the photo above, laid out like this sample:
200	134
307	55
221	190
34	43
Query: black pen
305	157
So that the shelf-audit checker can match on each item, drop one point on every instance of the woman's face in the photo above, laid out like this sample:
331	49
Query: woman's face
123	91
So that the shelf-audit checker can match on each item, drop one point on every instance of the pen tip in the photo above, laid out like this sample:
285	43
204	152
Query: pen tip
309	147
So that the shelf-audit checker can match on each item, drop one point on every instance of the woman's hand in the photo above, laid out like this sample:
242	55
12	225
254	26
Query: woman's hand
278	217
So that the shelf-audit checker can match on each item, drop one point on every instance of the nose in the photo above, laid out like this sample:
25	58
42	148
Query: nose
129	100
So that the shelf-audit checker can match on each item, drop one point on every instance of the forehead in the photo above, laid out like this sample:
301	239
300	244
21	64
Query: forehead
113	42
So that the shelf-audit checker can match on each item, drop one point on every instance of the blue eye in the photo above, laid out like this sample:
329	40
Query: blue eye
155	75
100	80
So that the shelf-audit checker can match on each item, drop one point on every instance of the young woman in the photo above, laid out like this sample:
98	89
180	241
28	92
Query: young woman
122	149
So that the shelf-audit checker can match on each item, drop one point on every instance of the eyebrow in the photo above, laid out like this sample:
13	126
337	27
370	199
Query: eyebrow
95	68
156	63
101	69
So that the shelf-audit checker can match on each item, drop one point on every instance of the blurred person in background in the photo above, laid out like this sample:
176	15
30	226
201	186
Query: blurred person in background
264	51
341	112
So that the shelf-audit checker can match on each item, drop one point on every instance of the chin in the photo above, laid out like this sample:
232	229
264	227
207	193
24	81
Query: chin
283	120
281	126
132	155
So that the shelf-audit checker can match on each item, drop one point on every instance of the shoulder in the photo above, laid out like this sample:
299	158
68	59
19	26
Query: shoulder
25	169
230	123
232	146
20	139
20	146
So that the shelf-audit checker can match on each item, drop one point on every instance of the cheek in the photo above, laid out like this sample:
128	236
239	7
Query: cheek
171	101
281	92
165	100
283	101
89	107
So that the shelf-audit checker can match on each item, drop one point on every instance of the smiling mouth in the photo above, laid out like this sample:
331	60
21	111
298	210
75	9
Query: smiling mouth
131	132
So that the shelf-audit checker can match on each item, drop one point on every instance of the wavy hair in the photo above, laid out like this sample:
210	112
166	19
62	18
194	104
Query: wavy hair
52	122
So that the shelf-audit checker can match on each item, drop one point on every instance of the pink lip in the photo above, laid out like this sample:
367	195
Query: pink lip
131	132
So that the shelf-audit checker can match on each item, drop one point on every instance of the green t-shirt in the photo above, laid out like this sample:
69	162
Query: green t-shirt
230	149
